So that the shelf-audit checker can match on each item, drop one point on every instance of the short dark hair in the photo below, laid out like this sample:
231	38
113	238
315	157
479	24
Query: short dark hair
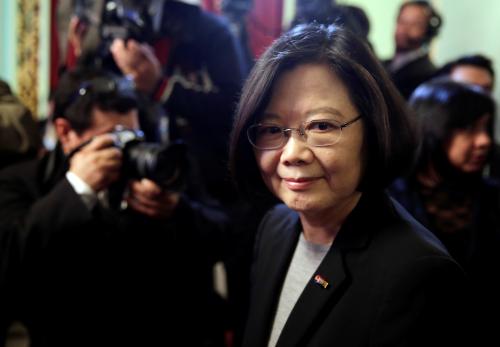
477	60
389	139
81	89
328	12
442	106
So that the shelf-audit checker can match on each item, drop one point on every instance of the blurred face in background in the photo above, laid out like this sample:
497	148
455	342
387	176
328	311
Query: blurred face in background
468	148
411	28
102	122
472	74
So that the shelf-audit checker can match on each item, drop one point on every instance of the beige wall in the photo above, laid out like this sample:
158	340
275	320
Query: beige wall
382	15
469	27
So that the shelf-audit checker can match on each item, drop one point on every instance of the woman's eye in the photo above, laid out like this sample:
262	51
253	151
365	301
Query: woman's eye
269	129
322	126
473	129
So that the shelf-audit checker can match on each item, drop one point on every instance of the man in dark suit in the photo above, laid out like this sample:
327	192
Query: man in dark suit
92	273
417	25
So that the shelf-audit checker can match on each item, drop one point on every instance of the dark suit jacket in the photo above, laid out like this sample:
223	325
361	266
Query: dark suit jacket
391	283
410	76
91	278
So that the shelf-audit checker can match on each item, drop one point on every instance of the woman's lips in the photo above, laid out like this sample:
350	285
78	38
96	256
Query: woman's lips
299	183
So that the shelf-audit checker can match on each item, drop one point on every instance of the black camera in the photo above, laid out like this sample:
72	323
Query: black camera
166	165
117	19
163	164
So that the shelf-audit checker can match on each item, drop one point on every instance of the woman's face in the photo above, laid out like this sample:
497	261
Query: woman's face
304	177
468	148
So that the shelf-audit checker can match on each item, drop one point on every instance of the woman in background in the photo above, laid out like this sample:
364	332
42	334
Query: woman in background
448	192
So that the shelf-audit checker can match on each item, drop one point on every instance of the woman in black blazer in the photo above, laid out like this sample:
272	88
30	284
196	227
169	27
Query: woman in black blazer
320	126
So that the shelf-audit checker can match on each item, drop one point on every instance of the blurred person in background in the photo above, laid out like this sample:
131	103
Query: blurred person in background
188	65
20	140
475	69
93	270
448	193
418	23
185	59
328	12
20	136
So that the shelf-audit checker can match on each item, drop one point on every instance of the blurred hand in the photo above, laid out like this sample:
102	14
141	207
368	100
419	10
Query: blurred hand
137	60
98	163
76	33
148	198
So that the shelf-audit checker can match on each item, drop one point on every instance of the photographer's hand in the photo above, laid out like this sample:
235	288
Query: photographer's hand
148	198
98	163
76	33
137	60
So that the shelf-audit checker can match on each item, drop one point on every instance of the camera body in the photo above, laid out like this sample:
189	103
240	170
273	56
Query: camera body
119	21
109	20
164	164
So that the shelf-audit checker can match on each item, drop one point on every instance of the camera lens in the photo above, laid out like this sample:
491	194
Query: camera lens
163	164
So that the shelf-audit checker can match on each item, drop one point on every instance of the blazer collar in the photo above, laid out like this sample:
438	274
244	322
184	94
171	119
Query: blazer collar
271	272
315	301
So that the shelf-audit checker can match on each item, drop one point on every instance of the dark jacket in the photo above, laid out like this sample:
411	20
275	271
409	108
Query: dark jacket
476	248
410	76
205	71
391	283
100	277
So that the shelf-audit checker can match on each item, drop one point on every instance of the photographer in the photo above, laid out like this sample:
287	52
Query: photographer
184	58
91	275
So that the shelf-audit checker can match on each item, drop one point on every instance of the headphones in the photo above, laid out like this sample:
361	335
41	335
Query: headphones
435	19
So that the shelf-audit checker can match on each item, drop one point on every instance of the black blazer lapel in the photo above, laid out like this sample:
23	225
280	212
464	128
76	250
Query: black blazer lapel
319	296
276	244
315	300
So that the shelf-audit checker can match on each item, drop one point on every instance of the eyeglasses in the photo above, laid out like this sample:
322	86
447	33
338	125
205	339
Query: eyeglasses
317	133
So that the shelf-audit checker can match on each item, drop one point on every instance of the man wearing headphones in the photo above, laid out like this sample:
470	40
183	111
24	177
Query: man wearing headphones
417	24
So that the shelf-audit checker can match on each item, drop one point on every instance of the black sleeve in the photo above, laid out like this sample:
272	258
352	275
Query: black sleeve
36	219
209	102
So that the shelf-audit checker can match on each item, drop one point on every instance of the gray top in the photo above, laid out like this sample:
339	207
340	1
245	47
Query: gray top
305	261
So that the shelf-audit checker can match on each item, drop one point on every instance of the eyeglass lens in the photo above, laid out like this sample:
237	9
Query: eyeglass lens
315	133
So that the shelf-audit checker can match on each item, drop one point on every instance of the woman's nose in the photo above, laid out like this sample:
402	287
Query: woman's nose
483	139
296	151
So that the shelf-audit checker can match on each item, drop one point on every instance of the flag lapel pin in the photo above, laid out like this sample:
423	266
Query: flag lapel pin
321	281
